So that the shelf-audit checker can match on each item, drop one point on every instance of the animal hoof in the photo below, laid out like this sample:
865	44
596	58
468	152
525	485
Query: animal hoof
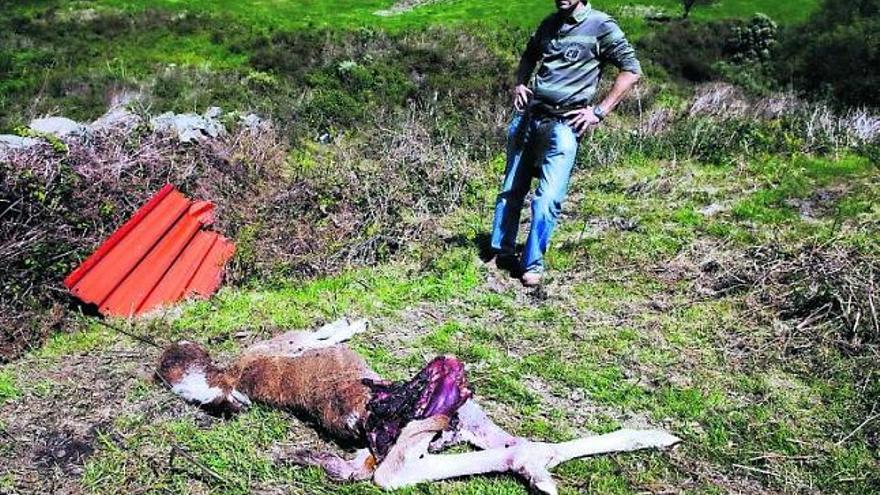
547	487
660	439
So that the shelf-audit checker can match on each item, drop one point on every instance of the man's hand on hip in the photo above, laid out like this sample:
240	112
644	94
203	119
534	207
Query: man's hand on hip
582	120
521	96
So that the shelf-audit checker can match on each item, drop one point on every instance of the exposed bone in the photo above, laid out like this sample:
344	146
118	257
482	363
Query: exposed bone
294	343
311	372
475	428
409	462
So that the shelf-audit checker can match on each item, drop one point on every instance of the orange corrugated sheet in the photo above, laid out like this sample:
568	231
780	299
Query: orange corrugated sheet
159	256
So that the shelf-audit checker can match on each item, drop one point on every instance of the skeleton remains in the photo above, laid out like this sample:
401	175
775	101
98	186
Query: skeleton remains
400	426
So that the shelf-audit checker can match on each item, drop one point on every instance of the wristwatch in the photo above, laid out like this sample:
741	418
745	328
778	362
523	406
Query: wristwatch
599	113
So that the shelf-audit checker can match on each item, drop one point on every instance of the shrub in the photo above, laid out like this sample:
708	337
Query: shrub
732	50
312	213
836	53
56	205
752	41
826	289
688	50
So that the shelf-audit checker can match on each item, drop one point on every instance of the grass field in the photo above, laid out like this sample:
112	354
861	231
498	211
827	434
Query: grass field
64	56
491	13
620	337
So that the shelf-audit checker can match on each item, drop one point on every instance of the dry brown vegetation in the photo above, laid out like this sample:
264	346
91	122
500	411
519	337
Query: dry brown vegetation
827	293
292	216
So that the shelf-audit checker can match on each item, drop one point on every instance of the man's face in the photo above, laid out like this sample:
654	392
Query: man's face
567	5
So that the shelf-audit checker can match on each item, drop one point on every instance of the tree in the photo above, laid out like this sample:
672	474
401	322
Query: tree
688	5
835	53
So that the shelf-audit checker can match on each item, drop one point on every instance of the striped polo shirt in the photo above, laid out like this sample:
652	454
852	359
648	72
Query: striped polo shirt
569	50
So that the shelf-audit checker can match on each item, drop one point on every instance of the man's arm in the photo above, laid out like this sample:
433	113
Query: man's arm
583	119
528	60
614	48
622	84
527	63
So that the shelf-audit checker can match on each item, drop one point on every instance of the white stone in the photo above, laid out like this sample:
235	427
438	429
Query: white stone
190	126
115	118
58	126
9	142
12	142
254	123
213	113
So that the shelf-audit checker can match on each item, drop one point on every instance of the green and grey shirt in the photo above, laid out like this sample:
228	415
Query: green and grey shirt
571	49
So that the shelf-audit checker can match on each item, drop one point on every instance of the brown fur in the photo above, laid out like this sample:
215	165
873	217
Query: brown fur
180	357
325	384
313	374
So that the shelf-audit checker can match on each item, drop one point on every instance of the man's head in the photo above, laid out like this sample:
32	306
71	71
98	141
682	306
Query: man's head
567	5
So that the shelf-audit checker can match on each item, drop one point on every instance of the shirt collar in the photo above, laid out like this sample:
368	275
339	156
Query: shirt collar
580	15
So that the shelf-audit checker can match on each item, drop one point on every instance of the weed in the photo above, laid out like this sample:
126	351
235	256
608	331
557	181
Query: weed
8	389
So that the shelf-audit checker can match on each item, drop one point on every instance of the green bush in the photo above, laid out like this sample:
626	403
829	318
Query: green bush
687	50
836	53
699	52
752	41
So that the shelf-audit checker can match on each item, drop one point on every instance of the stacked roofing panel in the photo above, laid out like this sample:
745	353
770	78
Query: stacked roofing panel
161	255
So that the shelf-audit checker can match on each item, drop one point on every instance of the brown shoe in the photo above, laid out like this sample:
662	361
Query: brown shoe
531	279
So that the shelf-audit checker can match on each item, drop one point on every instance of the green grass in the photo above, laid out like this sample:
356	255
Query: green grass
595	356
191	54
494	13
784	181
85	340
8	390
619	339
597	346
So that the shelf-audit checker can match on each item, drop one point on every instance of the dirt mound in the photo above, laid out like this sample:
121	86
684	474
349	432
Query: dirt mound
826	294
60	197
290	217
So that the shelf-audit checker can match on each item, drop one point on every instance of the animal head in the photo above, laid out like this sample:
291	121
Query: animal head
188	371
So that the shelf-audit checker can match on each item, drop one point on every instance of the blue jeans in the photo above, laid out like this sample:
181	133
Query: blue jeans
545	148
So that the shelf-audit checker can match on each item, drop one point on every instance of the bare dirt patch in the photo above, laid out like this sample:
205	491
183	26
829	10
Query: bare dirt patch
580	411
65	406
404	6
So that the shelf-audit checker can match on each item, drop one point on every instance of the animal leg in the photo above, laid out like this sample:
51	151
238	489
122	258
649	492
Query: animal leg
475	428
616	441
408	461
294	343
358	469
340	330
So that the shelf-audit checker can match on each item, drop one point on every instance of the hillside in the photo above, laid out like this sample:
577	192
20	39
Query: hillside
713	273
396	15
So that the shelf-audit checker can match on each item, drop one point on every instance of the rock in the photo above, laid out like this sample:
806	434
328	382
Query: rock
13	142
712	209
9	142
254	123
118	116
58	126
190	126
213	113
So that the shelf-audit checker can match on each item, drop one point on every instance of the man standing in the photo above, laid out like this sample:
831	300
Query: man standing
553	110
